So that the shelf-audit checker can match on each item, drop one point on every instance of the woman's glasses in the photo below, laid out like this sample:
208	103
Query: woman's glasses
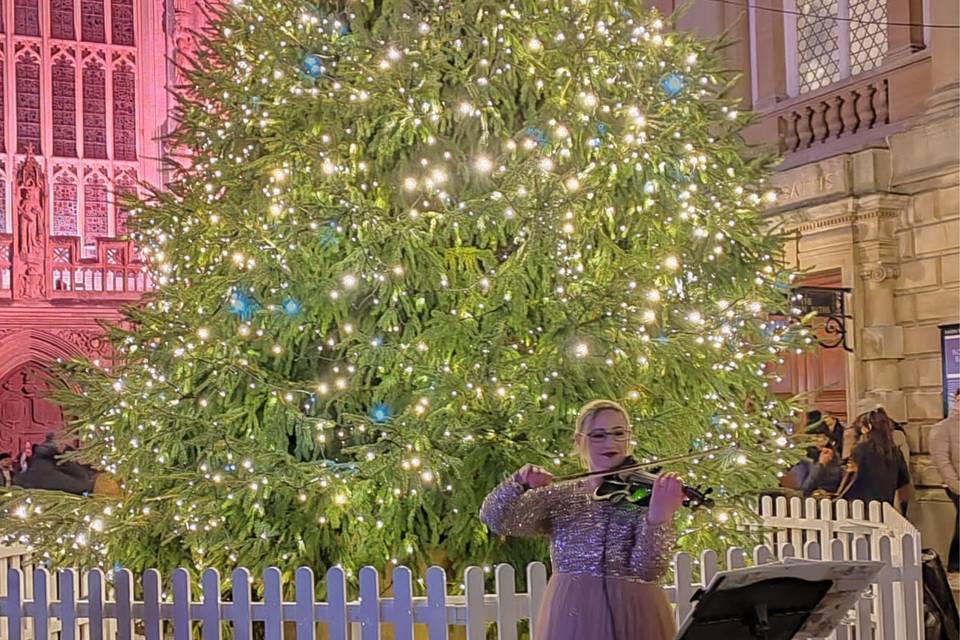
616	435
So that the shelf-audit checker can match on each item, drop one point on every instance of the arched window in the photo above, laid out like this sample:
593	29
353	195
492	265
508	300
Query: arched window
125	185
65	207
124	114
64	82
28	104
94	110
95	223
3	107
3	207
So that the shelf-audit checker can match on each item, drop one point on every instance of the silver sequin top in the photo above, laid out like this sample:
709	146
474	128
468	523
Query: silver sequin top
586	536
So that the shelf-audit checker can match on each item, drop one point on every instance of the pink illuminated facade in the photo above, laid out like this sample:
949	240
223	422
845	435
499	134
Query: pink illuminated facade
83	97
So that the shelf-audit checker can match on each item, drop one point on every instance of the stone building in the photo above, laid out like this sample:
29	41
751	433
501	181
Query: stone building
862	100
83	97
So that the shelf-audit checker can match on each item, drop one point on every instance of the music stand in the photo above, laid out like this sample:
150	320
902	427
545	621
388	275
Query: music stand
780	601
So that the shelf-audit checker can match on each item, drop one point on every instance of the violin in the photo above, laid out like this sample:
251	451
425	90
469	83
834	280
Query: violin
630	484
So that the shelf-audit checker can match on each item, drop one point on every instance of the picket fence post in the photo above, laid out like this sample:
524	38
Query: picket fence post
210	614
435	613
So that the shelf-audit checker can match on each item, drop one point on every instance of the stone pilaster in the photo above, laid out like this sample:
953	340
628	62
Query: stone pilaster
944	101
880	341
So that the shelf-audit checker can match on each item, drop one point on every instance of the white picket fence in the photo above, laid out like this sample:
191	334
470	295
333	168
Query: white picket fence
799	521
36	605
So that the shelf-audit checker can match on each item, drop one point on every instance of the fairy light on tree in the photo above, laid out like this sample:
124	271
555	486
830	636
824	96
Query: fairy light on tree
410	242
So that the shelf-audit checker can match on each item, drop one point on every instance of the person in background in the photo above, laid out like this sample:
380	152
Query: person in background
825	474
45	473
904	494
945	453
25	456
6	469
879	467
826	424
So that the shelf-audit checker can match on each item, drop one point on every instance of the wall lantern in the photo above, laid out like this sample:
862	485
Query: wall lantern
828	303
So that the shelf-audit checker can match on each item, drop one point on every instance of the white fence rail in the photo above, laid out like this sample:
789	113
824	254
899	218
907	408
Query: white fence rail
37	605
799	521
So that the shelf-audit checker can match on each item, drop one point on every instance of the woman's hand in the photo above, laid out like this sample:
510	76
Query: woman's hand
533	477
666	499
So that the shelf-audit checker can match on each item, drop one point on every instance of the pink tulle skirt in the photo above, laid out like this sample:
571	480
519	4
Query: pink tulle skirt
576	608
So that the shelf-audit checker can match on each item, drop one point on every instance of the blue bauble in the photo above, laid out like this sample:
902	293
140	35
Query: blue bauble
312	65
538	135
672	84
242	305
380	413
291	306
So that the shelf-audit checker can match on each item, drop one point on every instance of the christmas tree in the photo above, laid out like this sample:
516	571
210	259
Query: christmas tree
412	238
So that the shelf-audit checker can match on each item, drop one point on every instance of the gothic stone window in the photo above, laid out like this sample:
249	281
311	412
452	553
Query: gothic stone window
121	13
95	208
3	206
3	108
94	110
72	67
829	50
26	18
124	114
92	21
28	103
64	108
61	19
65	221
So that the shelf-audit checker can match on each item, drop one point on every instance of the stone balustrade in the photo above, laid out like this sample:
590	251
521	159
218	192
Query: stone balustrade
114	272
853	110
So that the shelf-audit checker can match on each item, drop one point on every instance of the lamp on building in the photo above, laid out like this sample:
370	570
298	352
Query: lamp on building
828	303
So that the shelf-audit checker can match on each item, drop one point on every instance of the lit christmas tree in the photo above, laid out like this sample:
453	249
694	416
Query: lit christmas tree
413	238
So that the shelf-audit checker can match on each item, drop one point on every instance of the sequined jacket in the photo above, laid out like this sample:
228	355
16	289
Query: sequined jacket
586	536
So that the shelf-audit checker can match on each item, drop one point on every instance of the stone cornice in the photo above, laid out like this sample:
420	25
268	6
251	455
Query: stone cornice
843	213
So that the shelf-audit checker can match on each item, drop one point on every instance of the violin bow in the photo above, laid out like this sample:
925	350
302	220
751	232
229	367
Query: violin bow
638	465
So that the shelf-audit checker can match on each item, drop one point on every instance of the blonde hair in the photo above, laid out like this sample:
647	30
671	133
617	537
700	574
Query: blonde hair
586	414
592	408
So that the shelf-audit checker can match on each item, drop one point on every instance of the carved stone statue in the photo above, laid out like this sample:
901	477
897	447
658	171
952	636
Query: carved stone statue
30	258
31	186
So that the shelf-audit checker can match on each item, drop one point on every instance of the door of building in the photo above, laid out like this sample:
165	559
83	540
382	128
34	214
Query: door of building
820	374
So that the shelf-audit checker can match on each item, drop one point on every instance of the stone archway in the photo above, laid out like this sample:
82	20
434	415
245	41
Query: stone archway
26	412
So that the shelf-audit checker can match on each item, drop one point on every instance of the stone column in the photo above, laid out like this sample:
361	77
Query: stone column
770	57
880	340
945	50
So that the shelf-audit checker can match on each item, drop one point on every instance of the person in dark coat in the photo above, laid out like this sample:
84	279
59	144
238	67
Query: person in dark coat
76	469
45	473
825	474
877	462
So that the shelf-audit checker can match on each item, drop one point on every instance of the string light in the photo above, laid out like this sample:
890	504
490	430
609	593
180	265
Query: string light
342	325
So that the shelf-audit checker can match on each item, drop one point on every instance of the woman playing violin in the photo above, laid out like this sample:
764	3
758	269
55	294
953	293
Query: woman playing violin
606	556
